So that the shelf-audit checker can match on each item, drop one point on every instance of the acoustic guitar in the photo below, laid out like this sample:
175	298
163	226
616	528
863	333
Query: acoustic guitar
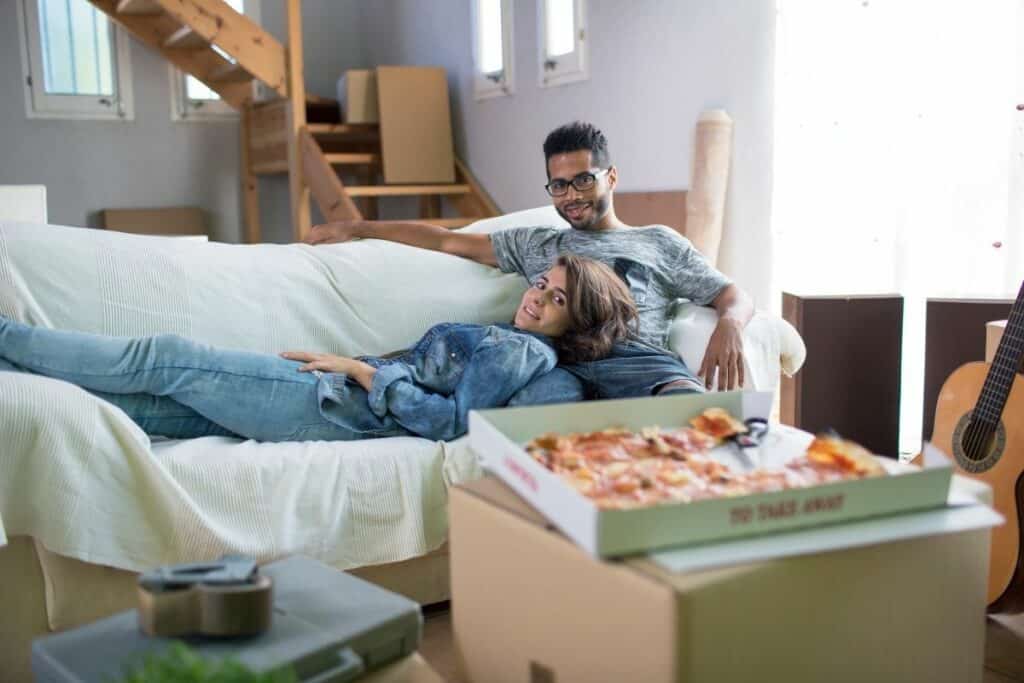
979	419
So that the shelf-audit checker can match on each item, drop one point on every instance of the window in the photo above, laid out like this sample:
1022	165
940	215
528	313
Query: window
896	169
492	48
562	47
191	99
75	62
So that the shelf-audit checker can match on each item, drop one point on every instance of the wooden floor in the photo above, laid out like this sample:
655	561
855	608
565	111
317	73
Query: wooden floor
438	646
1004	647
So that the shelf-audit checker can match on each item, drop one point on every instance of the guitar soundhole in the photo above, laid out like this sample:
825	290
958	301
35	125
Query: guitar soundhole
978	445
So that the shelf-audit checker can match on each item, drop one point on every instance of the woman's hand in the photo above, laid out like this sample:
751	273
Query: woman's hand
326	362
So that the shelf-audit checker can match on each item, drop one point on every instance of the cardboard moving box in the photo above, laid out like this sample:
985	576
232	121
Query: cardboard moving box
185	220
415	125
529	606
357	96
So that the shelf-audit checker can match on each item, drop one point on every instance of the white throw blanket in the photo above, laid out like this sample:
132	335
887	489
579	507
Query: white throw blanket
80	477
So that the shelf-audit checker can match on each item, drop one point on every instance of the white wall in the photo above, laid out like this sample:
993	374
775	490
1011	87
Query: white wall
654	66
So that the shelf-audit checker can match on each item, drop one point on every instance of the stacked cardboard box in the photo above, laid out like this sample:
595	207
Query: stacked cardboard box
529	605
890	598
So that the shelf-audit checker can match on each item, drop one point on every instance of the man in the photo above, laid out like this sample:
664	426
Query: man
659	265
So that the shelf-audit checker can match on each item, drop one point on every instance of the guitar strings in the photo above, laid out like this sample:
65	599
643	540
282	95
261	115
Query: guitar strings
998	381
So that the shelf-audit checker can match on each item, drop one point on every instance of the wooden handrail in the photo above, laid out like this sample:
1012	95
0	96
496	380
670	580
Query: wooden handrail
328	191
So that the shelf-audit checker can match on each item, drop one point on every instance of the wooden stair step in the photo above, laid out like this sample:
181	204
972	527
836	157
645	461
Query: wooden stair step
351	158
326	131
185	38
230	73
139	7
401	190
270	167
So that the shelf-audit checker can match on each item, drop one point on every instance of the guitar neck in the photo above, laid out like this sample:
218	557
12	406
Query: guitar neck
1008	360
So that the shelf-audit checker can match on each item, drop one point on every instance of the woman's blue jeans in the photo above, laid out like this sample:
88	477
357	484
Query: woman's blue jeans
171	386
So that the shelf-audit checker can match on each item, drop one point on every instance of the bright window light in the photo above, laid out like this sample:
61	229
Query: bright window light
561	27
895	168
562	48
491	47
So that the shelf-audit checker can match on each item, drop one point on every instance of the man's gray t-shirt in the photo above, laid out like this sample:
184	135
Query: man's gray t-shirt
659	265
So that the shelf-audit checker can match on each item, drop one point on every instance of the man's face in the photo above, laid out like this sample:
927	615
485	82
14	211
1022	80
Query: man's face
582	209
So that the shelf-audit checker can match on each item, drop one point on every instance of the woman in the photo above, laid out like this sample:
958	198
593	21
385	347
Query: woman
178	388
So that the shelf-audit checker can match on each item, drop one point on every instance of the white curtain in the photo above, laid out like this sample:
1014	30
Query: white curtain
898	157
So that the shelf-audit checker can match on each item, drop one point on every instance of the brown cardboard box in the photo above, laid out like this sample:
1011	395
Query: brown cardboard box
529	606
357	96
184	220
993	334
415	125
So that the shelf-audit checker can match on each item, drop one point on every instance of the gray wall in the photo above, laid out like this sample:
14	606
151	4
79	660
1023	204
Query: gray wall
152	161
654	66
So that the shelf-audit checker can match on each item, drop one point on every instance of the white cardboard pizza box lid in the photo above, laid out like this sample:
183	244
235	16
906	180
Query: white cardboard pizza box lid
497	437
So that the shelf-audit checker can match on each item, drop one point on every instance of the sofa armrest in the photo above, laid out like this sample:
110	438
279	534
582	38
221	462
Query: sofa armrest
771	345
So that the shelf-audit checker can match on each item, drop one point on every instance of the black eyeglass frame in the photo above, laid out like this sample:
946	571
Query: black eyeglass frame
578	177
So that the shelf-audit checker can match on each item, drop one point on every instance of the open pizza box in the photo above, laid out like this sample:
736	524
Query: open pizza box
498	437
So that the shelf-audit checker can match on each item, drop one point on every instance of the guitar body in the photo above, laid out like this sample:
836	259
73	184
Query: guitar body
1001	468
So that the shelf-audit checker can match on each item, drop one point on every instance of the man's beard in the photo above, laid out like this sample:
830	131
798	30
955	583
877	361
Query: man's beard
597	212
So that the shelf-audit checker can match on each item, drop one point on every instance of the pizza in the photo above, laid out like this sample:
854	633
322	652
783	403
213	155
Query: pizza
619	468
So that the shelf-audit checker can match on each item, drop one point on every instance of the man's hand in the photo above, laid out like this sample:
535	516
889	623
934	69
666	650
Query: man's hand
334	232
724	352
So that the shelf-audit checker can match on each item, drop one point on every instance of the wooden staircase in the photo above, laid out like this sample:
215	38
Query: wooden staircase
335	163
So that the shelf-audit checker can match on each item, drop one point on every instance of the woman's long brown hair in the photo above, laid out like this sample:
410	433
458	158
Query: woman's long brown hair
601	310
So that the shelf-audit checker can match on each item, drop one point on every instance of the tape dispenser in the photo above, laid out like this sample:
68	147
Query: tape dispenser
224	598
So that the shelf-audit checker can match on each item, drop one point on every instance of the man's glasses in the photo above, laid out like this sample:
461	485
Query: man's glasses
583	182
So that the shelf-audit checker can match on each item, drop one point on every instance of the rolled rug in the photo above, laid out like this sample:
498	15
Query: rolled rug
705	201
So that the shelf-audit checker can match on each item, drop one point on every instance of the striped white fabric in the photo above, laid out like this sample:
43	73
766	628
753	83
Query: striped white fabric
79	476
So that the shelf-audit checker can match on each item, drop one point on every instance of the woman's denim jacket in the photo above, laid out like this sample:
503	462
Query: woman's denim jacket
454	368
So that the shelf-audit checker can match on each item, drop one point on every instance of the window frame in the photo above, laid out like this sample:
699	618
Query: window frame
184	110
568	68
486	86
41	105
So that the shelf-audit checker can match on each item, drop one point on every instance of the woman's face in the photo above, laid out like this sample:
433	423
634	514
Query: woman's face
545	306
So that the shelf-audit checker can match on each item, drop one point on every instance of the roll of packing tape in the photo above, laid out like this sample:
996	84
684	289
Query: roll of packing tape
207	610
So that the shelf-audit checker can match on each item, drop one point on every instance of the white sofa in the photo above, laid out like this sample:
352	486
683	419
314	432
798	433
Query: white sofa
87	499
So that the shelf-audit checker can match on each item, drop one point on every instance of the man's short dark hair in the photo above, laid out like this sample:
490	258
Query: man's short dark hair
575	136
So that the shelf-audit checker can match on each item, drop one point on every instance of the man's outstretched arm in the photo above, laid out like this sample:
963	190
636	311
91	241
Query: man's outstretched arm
725	348
474	246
